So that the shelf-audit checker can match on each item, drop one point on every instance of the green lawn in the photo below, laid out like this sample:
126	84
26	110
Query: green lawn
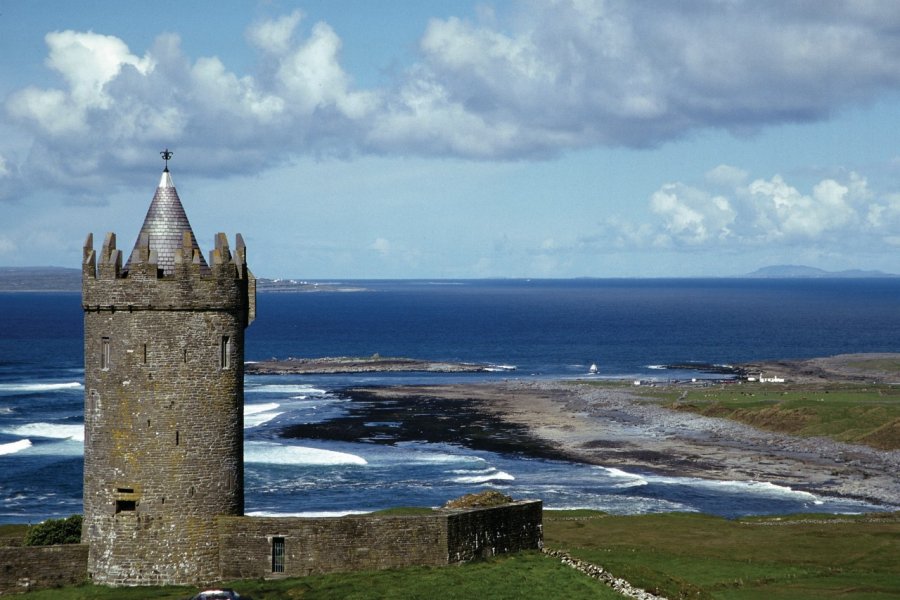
864	414
525	575
698	556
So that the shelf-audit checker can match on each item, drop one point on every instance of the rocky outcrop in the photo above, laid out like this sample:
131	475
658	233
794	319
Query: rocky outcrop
601	574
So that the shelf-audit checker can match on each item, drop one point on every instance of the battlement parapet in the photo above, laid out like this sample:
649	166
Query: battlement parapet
227	284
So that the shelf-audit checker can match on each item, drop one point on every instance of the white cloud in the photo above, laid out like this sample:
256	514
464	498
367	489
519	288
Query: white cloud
791	214
275	35
555	76
691	215
87	62
833	214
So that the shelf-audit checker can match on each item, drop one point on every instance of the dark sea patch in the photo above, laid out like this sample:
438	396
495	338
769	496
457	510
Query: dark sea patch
370	418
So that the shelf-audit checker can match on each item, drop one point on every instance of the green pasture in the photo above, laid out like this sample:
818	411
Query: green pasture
699	556
525	575
863	414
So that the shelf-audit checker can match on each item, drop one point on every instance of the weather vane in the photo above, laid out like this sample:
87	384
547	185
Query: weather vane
166	154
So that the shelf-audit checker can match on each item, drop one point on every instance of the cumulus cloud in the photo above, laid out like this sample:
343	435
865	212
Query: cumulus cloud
275	35
557	75
761	212
115	107
87	62
692	216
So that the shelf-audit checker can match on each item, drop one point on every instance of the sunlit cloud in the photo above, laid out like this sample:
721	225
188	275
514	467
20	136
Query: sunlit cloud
557	77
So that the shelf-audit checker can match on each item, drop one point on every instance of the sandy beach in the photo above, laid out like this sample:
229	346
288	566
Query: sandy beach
612	426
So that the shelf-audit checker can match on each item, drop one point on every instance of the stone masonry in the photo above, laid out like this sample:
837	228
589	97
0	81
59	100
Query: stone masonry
163	453
370	542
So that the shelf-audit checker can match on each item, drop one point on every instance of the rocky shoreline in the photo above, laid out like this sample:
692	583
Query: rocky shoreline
610	426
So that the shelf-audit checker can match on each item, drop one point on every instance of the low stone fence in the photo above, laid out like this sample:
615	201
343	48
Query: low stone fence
24	568
272	547
251	547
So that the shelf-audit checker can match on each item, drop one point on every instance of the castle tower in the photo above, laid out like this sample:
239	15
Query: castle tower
164	395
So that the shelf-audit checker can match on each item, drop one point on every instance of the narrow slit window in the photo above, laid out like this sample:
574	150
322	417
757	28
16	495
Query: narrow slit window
278	555
225	352
145	354
184	356
104	353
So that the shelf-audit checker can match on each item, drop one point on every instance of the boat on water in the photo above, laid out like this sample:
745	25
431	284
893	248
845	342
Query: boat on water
593	370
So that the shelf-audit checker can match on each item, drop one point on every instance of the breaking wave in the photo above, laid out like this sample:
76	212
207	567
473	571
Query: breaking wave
280	454
275	388
13	447
25	388
483	476
48	430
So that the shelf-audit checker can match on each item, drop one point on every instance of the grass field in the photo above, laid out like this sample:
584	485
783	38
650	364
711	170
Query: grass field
814	557
698	556
525	575
863	414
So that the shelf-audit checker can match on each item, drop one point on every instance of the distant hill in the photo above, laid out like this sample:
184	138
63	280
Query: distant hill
803	272
40	279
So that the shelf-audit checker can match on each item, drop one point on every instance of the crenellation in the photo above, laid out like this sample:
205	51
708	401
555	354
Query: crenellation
109	244
89	265
110	266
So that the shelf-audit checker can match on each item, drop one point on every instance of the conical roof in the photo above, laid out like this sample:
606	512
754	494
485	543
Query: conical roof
165	226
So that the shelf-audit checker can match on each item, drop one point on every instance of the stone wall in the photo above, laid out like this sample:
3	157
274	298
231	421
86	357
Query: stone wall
24	568
314	545
485	532
370	542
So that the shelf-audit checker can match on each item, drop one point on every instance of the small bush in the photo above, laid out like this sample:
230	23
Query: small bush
483	499
55	531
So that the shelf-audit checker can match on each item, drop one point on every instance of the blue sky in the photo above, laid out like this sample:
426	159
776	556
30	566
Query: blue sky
359	139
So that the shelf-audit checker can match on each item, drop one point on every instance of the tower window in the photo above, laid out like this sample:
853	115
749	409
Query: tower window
278	555
104	353
145	354
125	506
225	352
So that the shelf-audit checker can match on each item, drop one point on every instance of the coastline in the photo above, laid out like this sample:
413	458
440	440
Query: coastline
613	427
373	364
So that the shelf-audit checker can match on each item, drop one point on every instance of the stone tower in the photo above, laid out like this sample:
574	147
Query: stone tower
164	395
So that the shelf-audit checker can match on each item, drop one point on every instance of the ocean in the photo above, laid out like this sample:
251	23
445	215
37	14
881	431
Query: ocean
543	328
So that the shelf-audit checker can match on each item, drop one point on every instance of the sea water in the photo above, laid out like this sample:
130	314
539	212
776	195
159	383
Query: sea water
546	329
